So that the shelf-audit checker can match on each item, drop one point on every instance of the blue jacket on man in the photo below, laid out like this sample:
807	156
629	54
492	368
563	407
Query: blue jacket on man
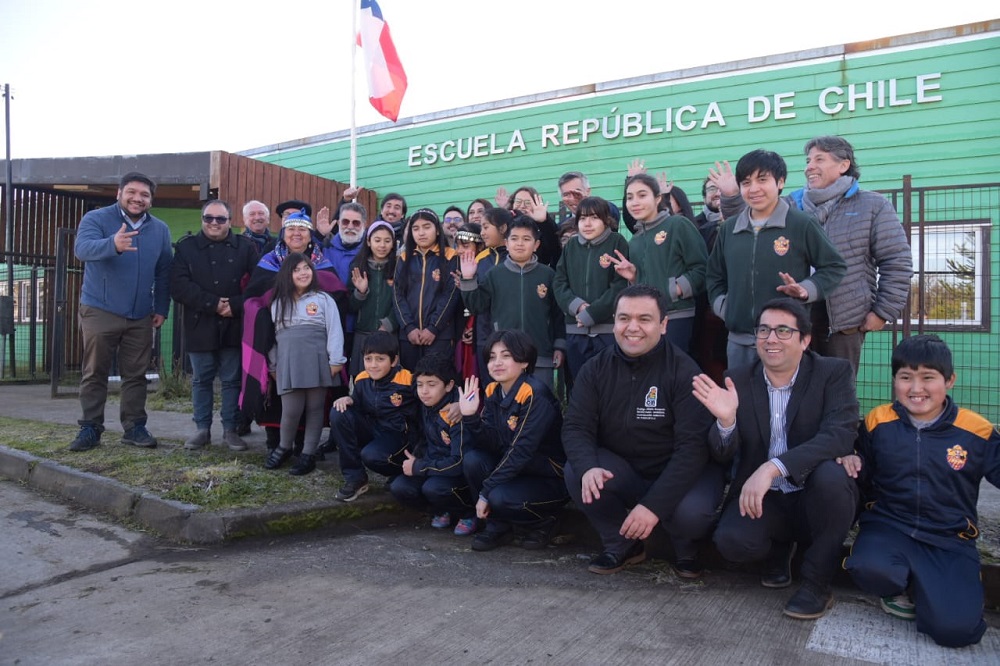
129	284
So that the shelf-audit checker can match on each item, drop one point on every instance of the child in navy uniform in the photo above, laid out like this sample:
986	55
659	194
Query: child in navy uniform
515	458
372	425
923	458
432	478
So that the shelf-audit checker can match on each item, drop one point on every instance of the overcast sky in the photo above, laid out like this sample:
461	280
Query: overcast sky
106	77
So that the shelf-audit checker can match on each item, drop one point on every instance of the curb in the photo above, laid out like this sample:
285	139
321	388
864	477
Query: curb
181	522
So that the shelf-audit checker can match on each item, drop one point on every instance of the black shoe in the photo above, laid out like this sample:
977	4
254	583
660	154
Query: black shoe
305	464
243	429
778	568
277	458
810	602
352	491
491	539
540	535
137	435
88	438
689	568
609	563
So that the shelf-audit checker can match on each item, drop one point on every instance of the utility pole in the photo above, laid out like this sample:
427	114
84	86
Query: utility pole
8	247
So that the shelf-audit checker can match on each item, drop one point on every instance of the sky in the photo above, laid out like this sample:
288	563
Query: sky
108	77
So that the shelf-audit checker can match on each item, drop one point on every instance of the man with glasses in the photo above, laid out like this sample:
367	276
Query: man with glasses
573	188
710	217
124	297
787	419
341	248
205	277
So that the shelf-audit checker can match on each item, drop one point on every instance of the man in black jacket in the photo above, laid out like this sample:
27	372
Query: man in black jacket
206	277
789	417
635	441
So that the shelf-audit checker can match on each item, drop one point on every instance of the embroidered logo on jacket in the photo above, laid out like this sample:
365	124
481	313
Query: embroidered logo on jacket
311	309
542	290
436	274
957	457
396	399
605	260
444	437
512	422
781	245
651	397
660	237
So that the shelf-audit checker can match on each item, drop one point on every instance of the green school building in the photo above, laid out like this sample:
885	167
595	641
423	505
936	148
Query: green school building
921	110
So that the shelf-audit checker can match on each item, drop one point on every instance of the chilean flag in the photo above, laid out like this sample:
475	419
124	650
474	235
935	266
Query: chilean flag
386	78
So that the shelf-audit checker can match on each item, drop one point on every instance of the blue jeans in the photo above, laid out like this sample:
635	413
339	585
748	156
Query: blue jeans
205	366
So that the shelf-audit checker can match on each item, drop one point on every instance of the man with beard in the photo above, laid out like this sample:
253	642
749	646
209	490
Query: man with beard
710	217
342	247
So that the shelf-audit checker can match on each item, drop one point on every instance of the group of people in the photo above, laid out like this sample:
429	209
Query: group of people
432	346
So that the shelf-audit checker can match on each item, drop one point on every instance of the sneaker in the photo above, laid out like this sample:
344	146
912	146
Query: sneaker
351	491
609	563
88	438
139	436
441	521
540	535
778	568
689	568
491	539
277	457
199	440
810	602
466	526
234	441
305	464
899	605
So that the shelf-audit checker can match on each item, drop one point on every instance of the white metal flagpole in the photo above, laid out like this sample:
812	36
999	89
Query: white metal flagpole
354	87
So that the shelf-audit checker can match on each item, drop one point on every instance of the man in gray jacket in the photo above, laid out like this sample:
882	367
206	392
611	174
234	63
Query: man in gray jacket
874	290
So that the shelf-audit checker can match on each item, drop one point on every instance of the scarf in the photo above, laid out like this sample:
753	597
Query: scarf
819	203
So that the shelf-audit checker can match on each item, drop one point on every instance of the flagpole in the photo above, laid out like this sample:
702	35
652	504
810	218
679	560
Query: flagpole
354	87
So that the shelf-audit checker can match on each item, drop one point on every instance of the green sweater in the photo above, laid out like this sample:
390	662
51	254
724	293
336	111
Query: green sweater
374	308
743	269
667	252
520	298
585	274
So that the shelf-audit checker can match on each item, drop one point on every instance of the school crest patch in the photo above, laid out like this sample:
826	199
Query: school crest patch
651	396
444	437
957	457
605	260
512	422
542	290
436	274
781	245
396	399
660	238
311	309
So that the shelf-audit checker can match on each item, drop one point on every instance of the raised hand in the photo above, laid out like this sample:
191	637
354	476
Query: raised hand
722	177
721	402
323	224
623	266
636	167
469	397
360	280
123	239
791	287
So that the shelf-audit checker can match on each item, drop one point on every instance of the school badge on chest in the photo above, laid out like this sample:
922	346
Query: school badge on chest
444	437
436	274
512	422
396	399
311	309
542	290
605	260
781	245
660	238
651	397
957	457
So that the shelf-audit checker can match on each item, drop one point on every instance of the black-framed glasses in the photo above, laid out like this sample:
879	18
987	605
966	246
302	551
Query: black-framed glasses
217	219
782	332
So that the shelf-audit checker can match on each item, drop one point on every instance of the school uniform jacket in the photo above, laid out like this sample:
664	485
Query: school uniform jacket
444	441
521	427
586	274
424	292
667	253
641	409
925	483
390	402
373	308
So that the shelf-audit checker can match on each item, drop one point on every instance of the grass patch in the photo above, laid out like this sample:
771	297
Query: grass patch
213	478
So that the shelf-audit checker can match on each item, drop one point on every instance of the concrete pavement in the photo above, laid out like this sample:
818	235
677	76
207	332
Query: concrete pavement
77	590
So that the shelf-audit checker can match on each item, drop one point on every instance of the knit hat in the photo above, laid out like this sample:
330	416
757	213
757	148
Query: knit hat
299	219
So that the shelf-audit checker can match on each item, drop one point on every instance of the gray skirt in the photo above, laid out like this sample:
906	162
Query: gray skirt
302	359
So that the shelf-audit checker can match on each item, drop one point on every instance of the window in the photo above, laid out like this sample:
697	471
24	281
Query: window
23	300
956	276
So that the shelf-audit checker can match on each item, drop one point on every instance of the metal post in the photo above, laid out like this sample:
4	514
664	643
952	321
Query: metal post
8	199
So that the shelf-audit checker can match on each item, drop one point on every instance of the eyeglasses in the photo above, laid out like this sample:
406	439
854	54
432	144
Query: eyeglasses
523	202
453	220
783	332
217	219
351	223
711	189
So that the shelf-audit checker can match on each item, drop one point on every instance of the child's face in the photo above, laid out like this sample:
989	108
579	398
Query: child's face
431	389
464	246
502	366
761	192
424	233
590	226
922	391
381	242
378	365
491	235
302	276
641	202
521	244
